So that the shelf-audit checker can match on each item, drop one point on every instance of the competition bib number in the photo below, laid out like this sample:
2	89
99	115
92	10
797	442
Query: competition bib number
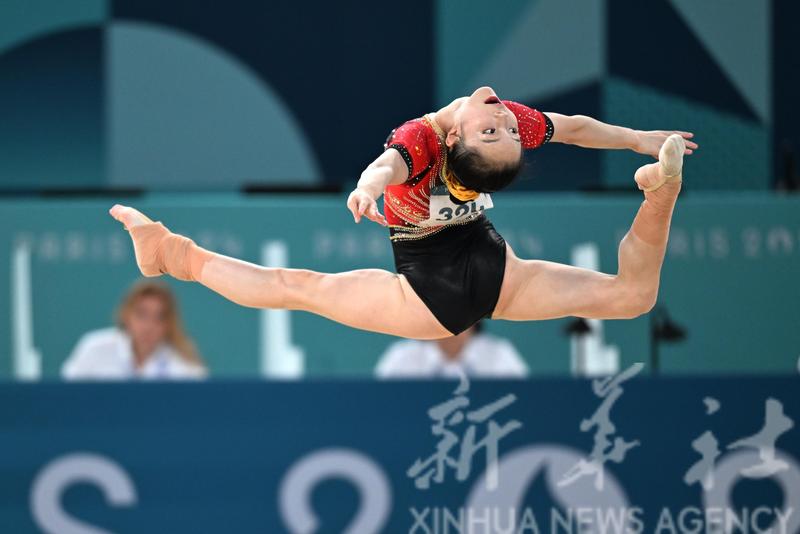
445	211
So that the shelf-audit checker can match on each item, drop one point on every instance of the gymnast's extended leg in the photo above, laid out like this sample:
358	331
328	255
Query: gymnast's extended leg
369	299
534	290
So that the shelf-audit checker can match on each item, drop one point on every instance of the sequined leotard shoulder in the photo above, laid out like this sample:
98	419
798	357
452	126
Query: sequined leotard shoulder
422	205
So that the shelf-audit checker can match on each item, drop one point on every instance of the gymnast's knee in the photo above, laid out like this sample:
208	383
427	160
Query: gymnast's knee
296	288
636	300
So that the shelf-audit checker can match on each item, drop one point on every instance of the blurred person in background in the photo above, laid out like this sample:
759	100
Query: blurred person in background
472	352
148	342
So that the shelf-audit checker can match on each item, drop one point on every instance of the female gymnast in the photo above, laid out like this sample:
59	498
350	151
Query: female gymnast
436	175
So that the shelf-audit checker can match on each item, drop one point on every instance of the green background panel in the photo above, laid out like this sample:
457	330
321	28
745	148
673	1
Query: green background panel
729	278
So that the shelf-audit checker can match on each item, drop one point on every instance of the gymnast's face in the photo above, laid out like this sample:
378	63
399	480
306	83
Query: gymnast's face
485	125
146	323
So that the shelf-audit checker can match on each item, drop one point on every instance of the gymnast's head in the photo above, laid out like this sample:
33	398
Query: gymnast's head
484	146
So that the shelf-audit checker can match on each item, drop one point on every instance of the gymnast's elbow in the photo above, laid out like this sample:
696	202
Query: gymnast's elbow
569	129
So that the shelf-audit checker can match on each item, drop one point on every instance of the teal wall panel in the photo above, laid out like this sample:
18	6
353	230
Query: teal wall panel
733	154
24	20
730	276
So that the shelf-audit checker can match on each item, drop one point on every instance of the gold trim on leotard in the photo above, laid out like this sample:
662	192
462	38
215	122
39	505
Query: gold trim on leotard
415	207
456	188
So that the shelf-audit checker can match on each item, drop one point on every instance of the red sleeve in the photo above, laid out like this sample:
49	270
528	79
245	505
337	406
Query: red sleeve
413	141
535	128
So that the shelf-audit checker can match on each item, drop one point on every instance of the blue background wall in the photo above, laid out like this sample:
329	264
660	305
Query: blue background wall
217	457
196	95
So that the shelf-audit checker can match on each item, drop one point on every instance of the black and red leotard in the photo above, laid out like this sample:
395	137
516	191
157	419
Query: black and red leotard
448	250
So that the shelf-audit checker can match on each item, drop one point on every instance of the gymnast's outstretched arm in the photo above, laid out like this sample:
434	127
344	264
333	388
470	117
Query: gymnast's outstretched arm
587	132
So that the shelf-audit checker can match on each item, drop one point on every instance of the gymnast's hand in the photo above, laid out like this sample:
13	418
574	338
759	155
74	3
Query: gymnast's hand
650	142
360	203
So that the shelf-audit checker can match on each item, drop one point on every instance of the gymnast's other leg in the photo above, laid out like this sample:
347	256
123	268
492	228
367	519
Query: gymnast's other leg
368	299
534	290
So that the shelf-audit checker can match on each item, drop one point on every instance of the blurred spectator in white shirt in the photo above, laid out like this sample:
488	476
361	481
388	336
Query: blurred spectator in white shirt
473	352
148	343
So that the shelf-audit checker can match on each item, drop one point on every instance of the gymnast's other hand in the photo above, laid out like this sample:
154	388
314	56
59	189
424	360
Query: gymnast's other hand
650	142
361	204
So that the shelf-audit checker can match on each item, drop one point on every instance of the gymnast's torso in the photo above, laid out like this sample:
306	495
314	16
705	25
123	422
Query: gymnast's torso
423	205
448	249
